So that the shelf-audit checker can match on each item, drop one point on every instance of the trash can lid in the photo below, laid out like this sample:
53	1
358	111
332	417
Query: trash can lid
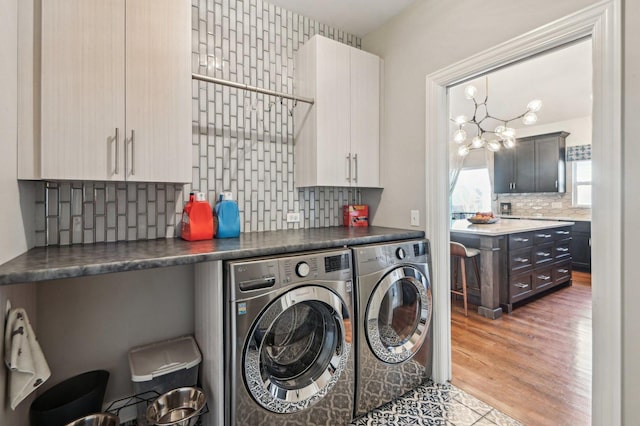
160	358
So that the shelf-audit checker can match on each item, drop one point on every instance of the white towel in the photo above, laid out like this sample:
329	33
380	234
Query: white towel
27	367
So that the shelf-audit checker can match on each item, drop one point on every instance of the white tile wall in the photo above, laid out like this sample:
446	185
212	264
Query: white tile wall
242	141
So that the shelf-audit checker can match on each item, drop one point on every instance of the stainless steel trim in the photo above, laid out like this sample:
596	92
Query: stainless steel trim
355	159
116	171
400	353
275	396
215	80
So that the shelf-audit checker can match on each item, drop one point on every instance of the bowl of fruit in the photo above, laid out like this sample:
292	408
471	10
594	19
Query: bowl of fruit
483	218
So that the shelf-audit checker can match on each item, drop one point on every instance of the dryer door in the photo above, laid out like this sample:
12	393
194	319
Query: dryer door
398	314
297	349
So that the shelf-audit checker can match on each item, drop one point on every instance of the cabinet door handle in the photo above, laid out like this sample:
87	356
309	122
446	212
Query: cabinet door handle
133	152
563	271
355	160
544	277
520	285
349	167
543	235
521	259
116	171
562	232
520	240
562	249
556	184
514	185
543	253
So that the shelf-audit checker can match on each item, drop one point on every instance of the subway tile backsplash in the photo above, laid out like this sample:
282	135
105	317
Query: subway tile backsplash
242	141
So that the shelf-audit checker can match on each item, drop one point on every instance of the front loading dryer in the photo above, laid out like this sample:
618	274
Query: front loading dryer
289	355
394	309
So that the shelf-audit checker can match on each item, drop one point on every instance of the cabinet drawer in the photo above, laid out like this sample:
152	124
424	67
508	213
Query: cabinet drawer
561	233
543	254
543	278
520	286
543	236
562	272
520	260
517	241
562	249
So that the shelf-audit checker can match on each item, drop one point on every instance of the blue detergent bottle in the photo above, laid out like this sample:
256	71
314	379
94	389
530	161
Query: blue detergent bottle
228	218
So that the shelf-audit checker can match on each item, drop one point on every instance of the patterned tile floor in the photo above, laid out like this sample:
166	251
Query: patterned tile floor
435	404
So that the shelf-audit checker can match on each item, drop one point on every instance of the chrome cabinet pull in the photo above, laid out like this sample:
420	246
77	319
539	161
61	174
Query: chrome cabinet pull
544	277
116	171
521	240
562	249
349	167
521	285
543	253
562	232
355	160
563	271
133	152
556	184
521	259
543	235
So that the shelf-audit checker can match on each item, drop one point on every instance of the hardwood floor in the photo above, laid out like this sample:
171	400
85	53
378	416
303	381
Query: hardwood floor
534	364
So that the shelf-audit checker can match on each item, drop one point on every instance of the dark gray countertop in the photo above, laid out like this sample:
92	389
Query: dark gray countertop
48	263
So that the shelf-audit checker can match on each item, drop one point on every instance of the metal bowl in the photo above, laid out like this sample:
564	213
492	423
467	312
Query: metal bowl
180	407
98	419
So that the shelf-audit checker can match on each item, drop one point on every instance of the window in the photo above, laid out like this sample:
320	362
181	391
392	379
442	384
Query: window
582	183
472	192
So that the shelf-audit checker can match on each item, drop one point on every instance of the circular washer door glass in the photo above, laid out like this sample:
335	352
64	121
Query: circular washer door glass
297	349
399	314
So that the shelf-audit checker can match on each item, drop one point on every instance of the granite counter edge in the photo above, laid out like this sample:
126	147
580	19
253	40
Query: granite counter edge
52	272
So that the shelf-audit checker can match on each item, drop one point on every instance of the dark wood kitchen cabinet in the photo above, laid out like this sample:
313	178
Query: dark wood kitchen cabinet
535	164
581	246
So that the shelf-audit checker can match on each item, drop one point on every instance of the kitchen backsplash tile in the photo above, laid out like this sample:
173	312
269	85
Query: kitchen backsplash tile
545	204
242	142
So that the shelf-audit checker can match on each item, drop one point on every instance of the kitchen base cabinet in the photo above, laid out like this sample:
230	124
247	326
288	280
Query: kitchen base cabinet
537	261
581	246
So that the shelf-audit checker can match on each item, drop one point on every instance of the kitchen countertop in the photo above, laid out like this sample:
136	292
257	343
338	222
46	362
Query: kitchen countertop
48	263
560	218
504	226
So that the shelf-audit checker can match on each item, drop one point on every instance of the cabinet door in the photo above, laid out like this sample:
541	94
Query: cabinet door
82	101
525	166
548	165
503	161
365	118
158	85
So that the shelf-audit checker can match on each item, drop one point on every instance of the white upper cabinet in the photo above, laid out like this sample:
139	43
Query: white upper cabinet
115	94
337	138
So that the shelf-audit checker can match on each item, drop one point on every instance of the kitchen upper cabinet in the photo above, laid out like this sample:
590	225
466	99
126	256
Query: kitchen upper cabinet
114	92
337	139
535	164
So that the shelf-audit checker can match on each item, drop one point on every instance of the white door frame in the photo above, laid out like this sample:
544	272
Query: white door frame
602	22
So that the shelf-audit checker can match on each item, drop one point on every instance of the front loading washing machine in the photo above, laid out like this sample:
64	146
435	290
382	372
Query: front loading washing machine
288	324
394	308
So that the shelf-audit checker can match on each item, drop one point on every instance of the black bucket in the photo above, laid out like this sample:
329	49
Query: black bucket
70	399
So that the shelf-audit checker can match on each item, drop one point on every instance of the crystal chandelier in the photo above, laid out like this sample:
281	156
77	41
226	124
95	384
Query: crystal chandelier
502	135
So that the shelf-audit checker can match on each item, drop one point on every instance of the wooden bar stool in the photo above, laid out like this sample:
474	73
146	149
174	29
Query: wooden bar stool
459	253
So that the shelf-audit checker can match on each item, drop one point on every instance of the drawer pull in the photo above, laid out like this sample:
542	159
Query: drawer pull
521	259
520	240
520	285
543	254
562	232
562	249
543	277
543	235
563	271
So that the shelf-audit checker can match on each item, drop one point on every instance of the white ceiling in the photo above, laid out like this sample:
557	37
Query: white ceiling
357	17
561	79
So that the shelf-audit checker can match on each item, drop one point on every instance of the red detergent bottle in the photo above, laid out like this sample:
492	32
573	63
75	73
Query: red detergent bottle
197	219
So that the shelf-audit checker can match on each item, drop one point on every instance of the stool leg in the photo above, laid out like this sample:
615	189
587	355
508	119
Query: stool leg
464	285
455	273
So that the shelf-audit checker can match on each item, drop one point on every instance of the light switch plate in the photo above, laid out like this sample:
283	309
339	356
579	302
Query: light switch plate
415	217
293	217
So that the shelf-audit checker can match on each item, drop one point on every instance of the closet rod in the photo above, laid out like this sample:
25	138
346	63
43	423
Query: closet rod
250	88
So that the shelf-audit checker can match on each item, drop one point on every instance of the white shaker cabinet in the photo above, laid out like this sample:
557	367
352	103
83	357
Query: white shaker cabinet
111	98
337	138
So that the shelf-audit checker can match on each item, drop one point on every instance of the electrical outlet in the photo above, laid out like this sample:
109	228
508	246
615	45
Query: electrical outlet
556	205
293	217
415	217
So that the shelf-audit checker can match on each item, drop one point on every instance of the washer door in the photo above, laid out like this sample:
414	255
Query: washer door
297	349
398	314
